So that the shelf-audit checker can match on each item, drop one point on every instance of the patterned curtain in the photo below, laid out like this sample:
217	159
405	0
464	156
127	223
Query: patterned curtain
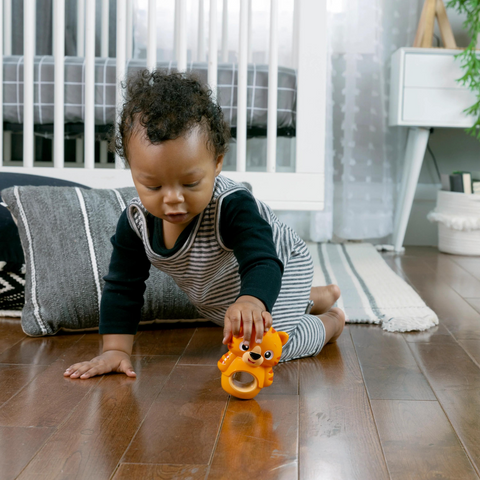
366	153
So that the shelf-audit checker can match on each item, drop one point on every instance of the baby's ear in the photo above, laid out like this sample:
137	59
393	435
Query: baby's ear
283	337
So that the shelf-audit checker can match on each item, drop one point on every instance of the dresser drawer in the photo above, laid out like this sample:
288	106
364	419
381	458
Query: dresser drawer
437	106
432	71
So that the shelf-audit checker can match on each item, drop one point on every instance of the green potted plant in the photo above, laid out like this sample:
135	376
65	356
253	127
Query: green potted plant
469	58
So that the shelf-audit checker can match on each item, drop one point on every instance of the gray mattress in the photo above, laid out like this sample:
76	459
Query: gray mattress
257	100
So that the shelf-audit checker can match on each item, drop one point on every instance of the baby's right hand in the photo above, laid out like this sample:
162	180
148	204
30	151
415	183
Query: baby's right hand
109	361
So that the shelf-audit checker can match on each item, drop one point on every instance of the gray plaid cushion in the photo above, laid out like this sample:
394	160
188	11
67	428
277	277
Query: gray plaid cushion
257	94
65	234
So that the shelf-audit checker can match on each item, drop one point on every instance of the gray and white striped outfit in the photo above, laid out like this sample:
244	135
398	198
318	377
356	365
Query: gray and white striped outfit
207	271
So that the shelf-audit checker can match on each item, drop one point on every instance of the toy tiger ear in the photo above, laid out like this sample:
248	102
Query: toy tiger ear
283	337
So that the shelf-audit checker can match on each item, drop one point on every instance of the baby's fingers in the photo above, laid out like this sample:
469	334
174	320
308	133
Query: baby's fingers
259	328
127	368
72	369
267	318
232	324
87	369
92	370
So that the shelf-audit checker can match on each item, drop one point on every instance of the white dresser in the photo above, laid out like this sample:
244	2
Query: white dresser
424	93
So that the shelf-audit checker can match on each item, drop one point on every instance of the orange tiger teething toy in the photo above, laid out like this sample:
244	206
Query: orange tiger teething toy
247	369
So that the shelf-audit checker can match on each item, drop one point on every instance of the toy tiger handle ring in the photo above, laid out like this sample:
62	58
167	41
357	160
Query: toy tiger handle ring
246	369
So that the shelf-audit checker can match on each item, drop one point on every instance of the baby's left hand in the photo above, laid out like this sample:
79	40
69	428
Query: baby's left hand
246	311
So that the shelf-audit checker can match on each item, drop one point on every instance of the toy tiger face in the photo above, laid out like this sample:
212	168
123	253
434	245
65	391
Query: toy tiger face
266	354
246	369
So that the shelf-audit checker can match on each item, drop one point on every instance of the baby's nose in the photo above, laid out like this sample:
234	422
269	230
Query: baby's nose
173	196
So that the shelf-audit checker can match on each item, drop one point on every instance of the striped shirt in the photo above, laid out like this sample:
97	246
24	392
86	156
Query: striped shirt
207	270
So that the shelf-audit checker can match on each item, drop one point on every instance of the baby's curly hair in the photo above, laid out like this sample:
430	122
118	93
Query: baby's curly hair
167	106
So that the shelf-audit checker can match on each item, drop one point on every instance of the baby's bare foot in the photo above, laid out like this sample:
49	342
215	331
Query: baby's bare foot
334	321
324	298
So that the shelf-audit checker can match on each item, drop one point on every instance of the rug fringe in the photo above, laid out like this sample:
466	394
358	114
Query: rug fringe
409	324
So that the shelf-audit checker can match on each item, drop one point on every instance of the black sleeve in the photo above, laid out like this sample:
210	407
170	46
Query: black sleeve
250	237
122	298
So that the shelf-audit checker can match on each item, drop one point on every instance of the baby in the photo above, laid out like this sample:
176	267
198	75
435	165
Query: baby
239	265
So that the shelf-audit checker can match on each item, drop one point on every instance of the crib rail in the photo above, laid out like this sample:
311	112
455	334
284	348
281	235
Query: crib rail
301	190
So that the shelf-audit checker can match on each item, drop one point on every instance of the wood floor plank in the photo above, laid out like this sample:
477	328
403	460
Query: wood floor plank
135	471
285	380
17	446
474	302
38	351
453	311
50	397
457	277
164	341
259	438
182	425
470	264
419	442
439	333
472	347
338	437
10	333
455	379
388	366
205	348
14	377
91	442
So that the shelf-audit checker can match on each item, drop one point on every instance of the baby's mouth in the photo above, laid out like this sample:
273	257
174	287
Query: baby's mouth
176	217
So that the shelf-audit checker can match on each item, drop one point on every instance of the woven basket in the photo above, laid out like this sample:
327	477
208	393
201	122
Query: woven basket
458	217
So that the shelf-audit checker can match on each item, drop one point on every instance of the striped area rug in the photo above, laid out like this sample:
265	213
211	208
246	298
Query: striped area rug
371	291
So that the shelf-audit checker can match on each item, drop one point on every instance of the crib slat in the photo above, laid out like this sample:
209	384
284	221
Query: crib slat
311	87
28	85
225	32
249	36
242	89
6	151
89	147
272	89
201	32
295	30
182	36
7	26
152	35
59	116
121	51
176	28
105	21
129	34
80	28
212	48
1	84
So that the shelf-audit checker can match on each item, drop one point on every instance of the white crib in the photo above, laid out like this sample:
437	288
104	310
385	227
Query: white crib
302	189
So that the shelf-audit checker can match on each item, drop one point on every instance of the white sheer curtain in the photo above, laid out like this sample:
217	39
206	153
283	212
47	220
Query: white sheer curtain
366	154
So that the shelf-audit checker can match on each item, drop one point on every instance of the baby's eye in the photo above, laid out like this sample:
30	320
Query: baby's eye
244	347
189	185
268	355
154	189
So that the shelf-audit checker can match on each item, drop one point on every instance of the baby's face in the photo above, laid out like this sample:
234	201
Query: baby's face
175	179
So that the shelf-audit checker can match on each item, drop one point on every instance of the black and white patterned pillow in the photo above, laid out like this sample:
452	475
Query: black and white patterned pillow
12	289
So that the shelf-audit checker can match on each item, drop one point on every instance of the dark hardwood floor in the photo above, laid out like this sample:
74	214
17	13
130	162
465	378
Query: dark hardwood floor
376	405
